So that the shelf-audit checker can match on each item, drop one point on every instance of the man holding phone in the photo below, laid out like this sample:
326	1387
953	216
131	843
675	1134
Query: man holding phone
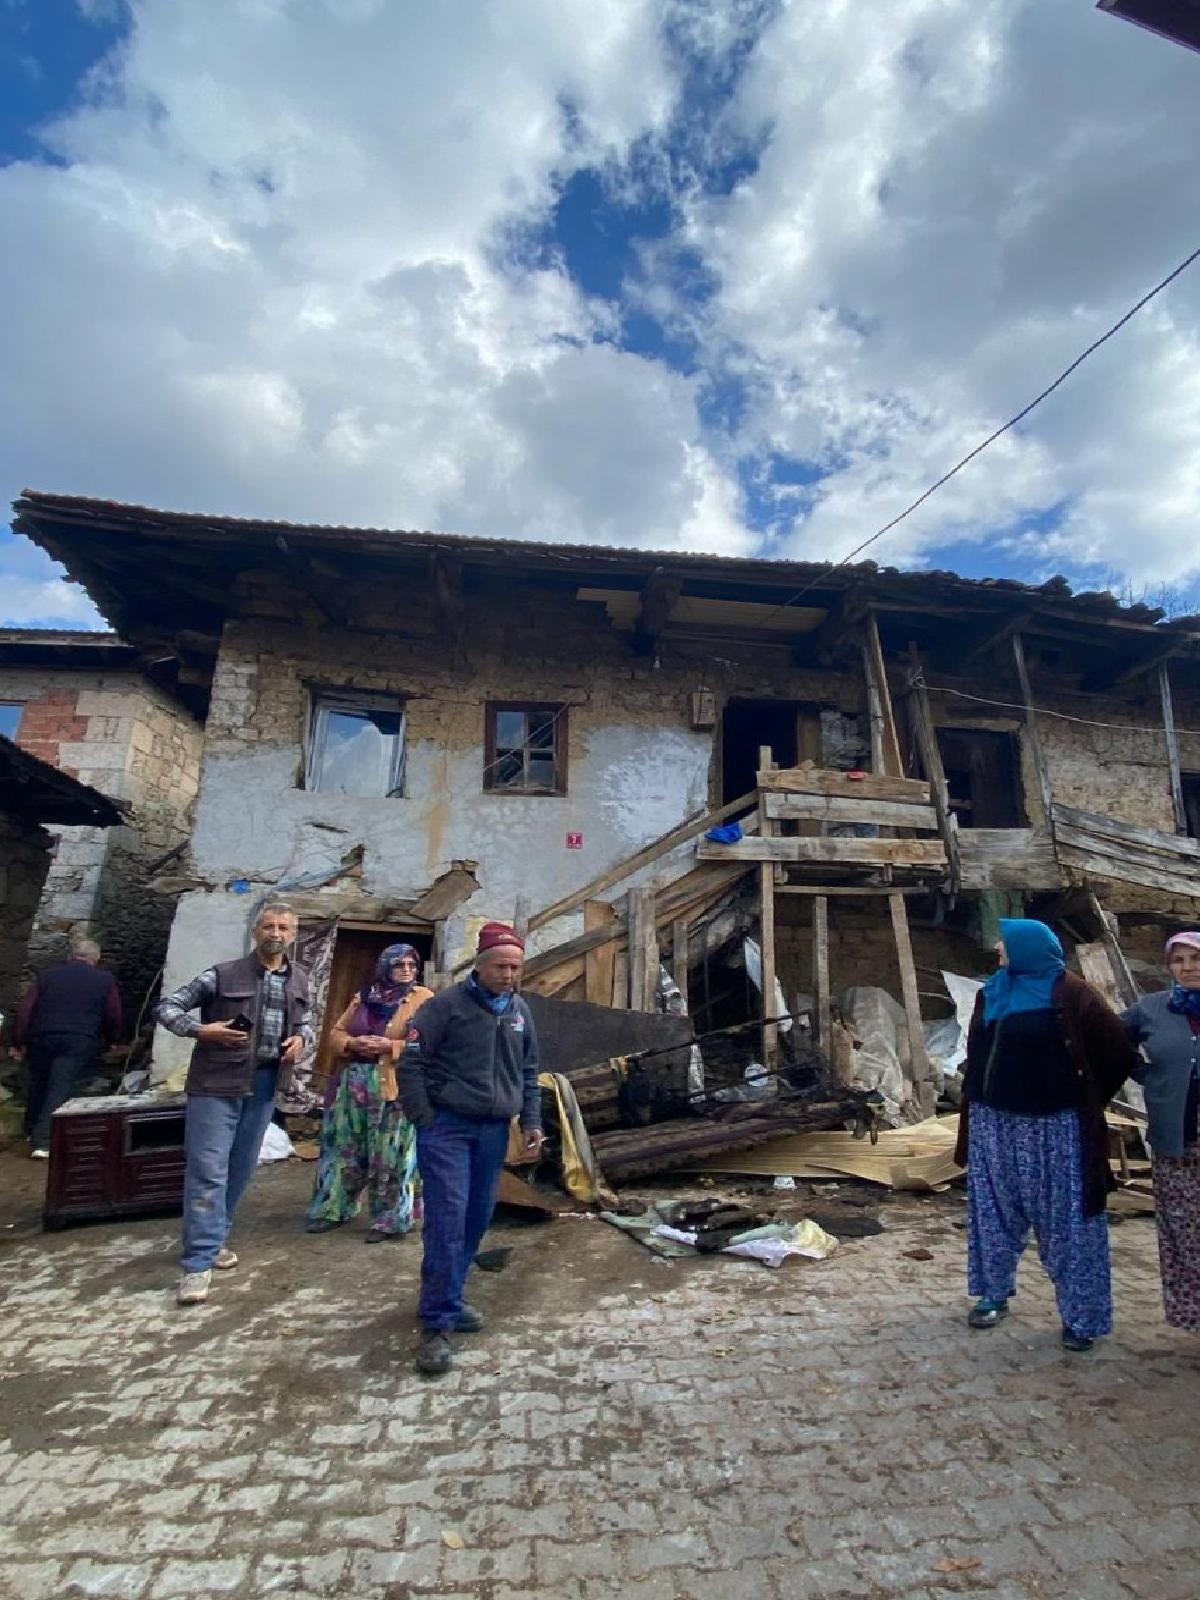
253	1028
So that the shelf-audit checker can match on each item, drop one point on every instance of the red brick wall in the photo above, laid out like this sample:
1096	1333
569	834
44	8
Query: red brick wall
50	722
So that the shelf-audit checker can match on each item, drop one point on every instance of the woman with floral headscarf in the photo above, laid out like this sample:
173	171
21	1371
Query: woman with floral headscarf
366	1140
1045	1054
1167	1026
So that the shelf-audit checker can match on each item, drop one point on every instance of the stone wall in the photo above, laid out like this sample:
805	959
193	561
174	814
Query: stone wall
24	861
123	736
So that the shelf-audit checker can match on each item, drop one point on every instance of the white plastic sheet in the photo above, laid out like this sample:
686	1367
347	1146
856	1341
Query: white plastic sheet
276	1146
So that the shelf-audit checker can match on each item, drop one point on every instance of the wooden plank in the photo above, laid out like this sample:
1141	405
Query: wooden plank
1031	727
1127	988
1122	853
1096	968
1008	858
642	858
908	986
823	780
643	951
862	852
893	766
1115	828
766	891
1085	863
1168	711
848	888
598	964
821	970
679	954
828	808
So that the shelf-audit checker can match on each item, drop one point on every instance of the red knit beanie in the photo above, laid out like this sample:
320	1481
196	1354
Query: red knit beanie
493	934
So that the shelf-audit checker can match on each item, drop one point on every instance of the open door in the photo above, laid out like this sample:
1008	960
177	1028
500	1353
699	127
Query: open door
355	952
792	728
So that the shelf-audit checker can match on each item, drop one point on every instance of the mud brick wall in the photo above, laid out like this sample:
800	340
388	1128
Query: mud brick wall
123	736
24	861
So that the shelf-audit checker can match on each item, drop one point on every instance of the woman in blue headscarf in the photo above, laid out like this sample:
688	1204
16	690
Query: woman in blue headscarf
1045	1054
366	1140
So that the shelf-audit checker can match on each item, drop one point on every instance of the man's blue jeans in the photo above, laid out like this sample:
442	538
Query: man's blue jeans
460	1160
223	1135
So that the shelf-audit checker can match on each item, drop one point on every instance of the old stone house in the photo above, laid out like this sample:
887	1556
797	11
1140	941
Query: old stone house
406	731
88	705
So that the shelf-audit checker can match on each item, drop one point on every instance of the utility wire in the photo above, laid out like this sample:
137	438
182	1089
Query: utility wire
1041	711
992	437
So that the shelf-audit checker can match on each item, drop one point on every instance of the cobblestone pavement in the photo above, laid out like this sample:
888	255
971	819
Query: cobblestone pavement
624	1428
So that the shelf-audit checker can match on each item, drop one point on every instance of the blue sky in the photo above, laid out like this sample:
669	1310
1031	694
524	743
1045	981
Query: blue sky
732	275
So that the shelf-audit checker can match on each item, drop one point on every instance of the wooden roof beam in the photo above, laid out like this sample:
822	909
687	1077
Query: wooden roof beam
1119	670
659	595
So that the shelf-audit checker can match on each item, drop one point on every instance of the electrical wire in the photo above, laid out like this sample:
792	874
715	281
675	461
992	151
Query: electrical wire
992	437
1063	716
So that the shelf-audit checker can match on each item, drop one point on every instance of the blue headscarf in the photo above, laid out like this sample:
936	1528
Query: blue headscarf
1035	964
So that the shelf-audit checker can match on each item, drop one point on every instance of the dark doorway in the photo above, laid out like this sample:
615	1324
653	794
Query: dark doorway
1190	783
355	952
748	724
983	775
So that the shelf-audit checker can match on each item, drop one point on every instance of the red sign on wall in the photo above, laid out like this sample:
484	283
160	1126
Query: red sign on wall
574	841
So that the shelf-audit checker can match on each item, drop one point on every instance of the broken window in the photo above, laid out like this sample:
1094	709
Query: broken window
10	717
525	748
356	745
983	775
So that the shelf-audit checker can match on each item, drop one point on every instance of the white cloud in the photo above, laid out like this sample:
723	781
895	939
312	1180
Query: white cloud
951	205
268	279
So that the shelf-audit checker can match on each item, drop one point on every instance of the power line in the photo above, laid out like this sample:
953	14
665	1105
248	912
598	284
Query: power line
992	437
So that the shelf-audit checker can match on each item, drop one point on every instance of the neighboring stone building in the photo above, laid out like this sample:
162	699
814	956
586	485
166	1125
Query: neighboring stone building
385	705
82	702
33	797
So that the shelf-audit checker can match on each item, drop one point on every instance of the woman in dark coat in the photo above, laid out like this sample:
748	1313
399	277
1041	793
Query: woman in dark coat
1167	1026
1045	1054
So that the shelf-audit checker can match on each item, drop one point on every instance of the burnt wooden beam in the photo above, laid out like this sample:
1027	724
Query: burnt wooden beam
660	593
990	636
840	628
316	586
448	598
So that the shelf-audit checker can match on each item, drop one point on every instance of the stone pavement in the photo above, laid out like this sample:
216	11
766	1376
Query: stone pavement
625	1428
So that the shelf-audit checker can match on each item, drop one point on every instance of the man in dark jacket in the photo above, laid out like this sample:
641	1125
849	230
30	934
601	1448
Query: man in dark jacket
470	1065
65	1014
252	1031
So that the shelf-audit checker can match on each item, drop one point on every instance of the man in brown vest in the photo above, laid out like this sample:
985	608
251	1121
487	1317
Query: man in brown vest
252	1031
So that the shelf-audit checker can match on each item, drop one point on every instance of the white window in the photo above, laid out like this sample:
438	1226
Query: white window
355	744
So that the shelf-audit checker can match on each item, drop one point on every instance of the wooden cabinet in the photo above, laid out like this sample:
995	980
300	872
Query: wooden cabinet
116	1156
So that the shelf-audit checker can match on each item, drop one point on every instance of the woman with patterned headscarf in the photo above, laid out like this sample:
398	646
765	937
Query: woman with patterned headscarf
366	1140
1167	1026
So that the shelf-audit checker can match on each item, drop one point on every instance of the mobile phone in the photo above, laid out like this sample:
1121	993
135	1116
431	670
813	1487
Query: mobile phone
242	1023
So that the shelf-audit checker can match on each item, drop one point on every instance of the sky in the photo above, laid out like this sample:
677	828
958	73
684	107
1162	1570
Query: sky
740	276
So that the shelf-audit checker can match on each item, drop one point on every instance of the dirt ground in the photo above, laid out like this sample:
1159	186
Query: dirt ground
623	1427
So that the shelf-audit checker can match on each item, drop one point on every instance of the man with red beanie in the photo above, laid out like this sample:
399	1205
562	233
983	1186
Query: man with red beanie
470	1065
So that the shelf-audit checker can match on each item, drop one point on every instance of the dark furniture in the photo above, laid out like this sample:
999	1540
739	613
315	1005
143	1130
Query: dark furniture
115	1156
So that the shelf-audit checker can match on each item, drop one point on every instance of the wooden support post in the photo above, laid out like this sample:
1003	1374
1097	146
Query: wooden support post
891	764
908	986
521	915
1031	727
931	760
1127	989
643	951
679	955
821	970
599	964
766	899
1168	713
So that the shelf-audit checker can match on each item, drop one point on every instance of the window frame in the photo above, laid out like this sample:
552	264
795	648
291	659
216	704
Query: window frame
561	712
321	702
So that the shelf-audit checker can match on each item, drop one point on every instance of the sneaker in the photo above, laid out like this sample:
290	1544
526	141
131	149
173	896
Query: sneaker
39	1155
226	1260
193	1289
469	1320
1075	1341
986	1313
374	1236
434	1354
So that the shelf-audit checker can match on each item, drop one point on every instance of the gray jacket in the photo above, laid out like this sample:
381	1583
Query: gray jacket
1172	1052
461	1057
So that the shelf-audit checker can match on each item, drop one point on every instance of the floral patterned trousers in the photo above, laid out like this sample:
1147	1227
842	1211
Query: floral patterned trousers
366	1143
1177	1212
